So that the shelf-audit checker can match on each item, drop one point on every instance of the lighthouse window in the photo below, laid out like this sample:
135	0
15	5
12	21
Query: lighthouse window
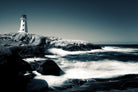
23	24
23	20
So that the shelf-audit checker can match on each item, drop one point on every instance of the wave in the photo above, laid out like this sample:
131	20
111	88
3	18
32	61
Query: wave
108	66
51	80
62	52
107	52
104	69
119	49
87	70
34	59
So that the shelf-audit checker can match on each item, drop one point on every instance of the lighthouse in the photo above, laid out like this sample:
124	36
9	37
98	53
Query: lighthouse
23	25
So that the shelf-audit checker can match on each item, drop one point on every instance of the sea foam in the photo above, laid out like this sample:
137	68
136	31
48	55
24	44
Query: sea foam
76	69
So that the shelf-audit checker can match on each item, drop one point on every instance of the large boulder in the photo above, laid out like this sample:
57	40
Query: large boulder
12	70
36	85
49	67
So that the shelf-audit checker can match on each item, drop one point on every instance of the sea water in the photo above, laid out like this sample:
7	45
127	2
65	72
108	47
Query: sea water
108	62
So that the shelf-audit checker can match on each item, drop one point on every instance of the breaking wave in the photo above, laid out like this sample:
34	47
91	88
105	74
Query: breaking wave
76	69
86	70
62	52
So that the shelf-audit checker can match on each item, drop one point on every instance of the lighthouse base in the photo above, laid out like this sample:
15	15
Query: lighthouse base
20	31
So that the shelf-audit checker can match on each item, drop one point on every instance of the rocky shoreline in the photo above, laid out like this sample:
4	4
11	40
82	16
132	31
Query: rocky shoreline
29	45
17	74
17	46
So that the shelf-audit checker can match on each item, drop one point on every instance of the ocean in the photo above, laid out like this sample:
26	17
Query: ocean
88	71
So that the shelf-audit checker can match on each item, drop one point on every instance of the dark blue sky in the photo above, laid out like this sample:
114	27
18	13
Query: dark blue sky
97	21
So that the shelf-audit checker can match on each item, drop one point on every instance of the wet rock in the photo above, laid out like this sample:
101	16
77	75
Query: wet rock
81	47
49	67
12	70
36	85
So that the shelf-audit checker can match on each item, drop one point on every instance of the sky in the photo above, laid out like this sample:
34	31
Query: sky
96	21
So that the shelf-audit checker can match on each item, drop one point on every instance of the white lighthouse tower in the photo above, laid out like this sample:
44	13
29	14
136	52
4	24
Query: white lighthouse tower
23	25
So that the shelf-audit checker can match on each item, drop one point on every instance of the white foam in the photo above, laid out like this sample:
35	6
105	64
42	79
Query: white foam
85	70
34	59
104	69
52	56
51	80
118	49
94	69
61	52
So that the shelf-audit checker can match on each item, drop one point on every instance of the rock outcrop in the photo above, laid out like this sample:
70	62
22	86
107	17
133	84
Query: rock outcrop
73	45
30	39
13	72
49	67
29	45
